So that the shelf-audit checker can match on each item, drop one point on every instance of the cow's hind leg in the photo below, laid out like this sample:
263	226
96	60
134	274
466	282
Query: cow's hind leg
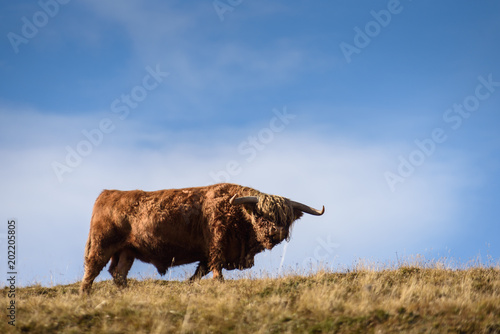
94	262
121	262
201	271
114	262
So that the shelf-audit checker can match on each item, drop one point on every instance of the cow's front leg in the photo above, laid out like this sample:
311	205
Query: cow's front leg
218	273
201	271
217	258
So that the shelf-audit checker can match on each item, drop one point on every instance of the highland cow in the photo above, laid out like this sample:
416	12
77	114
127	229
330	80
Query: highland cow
222	226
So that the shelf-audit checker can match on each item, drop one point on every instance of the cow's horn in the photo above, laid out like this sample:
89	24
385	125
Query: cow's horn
307	209
243	200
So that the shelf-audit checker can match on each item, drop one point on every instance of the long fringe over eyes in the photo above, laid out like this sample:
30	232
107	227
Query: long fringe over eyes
276	208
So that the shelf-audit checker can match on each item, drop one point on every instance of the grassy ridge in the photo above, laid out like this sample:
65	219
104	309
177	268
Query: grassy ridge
409	299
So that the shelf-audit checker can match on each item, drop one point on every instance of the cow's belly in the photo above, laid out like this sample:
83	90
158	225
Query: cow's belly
168	255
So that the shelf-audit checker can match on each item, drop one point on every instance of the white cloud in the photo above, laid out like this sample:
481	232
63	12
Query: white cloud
362	215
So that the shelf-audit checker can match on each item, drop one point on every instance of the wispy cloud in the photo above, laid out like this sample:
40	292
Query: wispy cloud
362	216
198	61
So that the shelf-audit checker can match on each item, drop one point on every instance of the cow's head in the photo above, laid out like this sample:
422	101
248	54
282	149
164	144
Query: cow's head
272	216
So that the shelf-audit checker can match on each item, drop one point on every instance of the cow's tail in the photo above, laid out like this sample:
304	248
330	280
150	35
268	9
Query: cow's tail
87	250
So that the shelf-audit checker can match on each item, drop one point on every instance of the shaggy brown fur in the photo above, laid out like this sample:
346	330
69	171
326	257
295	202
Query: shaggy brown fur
178	226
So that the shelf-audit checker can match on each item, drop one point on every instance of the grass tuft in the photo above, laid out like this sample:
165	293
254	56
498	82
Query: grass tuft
412	297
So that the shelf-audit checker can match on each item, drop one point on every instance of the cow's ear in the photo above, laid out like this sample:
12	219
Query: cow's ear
297	214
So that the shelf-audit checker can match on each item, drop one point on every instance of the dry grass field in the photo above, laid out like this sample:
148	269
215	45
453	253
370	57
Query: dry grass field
411	299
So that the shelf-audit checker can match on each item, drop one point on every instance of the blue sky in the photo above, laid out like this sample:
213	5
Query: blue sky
386	112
